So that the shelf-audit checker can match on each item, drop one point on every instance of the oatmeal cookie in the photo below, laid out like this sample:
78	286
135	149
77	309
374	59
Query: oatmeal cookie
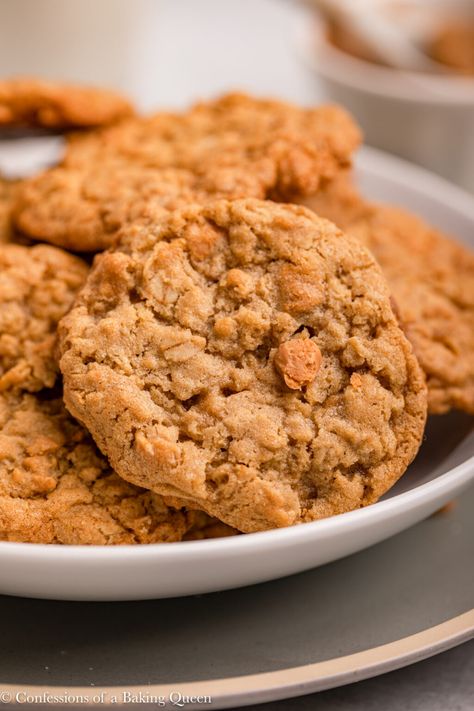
243	356
56	487
204	526
432	280
339	201
84	215
236	146
53	105
37	287
7	199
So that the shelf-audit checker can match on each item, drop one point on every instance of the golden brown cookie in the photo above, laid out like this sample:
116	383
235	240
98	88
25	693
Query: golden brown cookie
432	280
339	201
63	207
54	105
236	146
205	527
55	487
7	200
37	287
243	356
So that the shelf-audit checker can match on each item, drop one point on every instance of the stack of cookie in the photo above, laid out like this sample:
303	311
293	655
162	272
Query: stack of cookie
231	361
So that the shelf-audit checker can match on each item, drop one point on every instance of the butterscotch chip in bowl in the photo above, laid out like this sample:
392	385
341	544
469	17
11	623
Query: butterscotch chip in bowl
175	357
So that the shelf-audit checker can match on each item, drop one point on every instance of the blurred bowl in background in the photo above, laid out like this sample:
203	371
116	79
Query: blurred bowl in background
426	118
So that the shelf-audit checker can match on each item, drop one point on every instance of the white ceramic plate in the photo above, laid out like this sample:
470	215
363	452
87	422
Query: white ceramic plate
443	468
393	604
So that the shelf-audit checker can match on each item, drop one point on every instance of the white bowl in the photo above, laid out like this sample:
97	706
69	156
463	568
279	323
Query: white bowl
444	467
427	119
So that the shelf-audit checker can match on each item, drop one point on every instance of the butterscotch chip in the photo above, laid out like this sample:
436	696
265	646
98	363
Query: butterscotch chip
298	362
432	280
168	358
37	287
35	102
236	146
56	487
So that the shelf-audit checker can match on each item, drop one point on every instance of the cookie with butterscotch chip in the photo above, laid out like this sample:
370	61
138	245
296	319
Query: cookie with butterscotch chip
432	280
234	147
56	487
37	287
29	102
243	357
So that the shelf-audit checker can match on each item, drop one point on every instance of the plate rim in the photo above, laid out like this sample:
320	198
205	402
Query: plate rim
423	181
292	681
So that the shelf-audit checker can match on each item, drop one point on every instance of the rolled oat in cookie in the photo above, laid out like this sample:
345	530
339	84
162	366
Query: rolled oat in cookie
432	280
37	287
56	487
236	146
54	105
243	357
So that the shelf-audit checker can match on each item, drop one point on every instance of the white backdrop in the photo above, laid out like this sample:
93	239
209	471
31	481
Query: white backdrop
162	52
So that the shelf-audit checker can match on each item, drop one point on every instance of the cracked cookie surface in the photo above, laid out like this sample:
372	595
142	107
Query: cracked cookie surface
169	355
37	287
432	280
56	487
236	146
54	105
